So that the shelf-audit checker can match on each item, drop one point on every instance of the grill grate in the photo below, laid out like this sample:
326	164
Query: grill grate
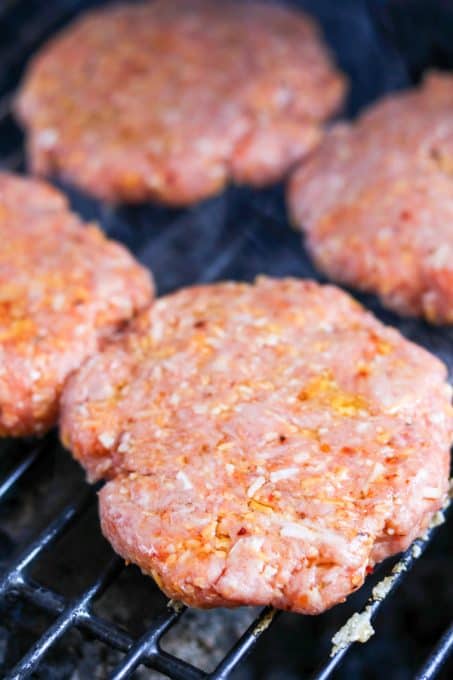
255	239
78	612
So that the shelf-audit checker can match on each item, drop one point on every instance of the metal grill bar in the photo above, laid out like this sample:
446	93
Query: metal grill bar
15	582
20	469
103	630
221	262
14	576
39	595
147	649
245	645
375	602
160	661
69	617
438	657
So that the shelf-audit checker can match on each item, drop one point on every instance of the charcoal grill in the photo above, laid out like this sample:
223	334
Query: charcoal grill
236	235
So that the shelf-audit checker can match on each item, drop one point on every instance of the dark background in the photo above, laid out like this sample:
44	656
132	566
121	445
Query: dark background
382	46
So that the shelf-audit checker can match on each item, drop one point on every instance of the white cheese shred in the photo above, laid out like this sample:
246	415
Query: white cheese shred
356	629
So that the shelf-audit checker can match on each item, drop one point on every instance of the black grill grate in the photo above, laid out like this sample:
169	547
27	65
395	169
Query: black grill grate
238	235
78	612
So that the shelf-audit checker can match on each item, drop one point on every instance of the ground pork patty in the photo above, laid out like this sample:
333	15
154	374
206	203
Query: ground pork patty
63	287
376	201
265	444
193	93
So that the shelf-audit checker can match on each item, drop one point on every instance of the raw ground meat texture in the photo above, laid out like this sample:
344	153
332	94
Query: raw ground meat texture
169	100
375	201
263	444
63	288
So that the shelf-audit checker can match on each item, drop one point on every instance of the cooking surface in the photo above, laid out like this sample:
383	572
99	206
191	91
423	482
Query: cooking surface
238	235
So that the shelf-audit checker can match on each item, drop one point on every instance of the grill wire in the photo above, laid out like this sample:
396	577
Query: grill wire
218	258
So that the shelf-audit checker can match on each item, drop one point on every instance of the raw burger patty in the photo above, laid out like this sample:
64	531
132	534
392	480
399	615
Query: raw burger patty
264	444
63	288
170	99
376	201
